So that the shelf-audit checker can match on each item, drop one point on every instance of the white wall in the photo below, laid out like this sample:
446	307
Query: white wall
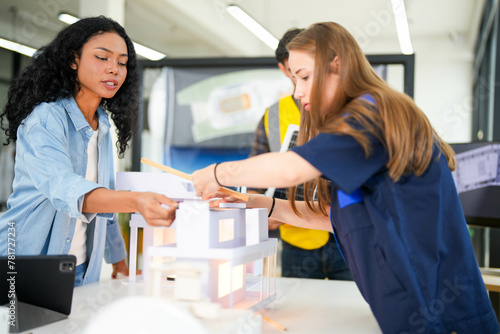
443	83
443	86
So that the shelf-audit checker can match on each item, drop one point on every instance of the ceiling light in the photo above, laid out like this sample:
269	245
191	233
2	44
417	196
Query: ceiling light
139	48
398	8
147	52
66	18
13	46
253	26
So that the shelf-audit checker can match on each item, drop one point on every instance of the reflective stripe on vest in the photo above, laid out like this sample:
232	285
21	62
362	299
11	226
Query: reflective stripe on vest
273	127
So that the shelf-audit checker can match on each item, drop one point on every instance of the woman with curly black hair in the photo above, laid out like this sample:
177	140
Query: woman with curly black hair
62	200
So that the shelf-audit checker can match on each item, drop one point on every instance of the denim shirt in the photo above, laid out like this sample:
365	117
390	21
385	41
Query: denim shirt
49	187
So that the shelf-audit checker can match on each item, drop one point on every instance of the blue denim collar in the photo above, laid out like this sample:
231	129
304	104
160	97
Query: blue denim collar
79	120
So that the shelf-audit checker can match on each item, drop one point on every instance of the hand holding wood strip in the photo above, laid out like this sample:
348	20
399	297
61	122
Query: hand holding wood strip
176	172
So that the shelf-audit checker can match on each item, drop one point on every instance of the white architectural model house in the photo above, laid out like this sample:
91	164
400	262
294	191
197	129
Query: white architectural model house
211	251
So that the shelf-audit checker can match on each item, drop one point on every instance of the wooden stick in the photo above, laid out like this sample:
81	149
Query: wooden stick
171	170
167	169
273	322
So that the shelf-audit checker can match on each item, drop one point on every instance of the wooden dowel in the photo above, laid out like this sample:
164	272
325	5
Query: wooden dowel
273	322
167	169
173	171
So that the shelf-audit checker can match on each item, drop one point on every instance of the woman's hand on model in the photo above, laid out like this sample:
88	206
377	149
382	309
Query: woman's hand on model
225	198
205	184
157	210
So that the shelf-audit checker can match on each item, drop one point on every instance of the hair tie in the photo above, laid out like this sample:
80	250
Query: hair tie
272	208
215	174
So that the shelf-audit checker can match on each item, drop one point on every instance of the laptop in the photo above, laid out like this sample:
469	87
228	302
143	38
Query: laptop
43	286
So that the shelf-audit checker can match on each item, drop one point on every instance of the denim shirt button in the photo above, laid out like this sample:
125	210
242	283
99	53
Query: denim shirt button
68	240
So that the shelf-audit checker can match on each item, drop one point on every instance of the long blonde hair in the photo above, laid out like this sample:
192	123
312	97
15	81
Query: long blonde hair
399	124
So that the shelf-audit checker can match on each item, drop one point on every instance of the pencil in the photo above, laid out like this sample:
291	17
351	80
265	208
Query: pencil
272	322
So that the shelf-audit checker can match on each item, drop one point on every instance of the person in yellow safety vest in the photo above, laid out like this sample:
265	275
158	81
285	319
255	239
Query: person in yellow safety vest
306	253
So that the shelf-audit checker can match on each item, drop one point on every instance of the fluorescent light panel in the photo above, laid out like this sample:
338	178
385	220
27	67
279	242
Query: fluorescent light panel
398	8
253	26
147	52
16	47
66	18
139	48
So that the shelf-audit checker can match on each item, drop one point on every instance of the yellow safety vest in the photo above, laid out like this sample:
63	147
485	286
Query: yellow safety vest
287	112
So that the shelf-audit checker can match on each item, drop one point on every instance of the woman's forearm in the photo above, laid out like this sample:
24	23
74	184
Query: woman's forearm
278	170
157	209
102	200
283	212
266	170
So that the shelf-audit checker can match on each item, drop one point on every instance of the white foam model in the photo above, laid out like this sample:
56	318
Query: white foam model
212	247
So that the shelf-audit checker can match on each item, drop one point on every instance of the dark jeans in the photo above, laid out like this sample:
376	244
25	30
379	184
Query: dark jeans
80	273
323	262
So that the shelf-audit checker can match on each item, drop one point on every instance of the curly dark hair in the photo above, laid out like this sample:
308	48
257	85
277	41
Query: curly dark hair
50	76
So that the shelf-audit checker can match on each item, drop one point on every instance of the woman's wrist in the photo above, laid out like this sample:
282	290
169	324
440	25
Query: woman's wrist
272	208
262	201
133	200
215	174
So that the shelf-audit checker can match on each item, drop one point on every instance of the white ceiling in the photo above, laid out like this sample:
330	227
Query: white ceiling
201	28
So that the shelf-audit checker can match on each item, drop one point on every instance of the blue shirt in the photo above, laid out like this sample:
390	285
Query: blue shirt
406	243
49	187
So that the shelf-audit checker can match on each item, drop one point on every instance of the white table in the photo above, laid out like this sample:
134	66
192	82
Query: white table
302	306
